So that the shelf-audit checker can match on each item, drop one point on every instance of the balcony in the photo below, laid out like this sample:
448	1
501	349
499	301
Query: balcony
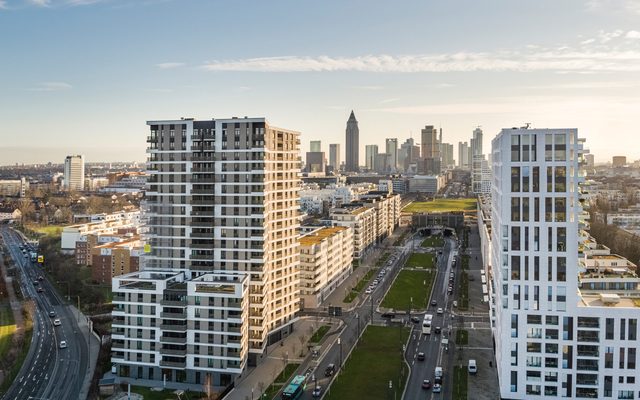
173	364
202	257
182	315
173	327
172	339
173	302
174	352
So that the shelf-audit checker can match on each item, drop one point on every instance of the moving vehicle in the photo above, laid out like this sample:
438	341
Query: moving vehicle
426	384
63	344
437	330
437	388
438	375
434	303
426	324
52	314
455	303
317	391
331	368
415	319
472	367
295	388
421	356
56	322
440	311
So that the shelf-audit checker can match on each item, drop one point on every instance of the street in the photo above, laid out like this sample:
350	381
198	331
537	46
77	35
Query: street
48	372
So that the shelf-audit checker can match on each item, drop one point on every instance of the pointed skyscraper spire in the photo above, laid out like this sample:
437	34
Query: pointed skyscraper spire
352	144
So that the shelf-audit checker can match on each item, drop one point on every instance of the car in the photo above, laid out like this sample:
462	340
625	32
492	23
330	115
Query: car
426	384
437	329
56	322
415	319
439	311
330	370
455	303
368	291
40	290
36	283
52	314
437	388
375	282
317	391
40	278
63	344
388	315
439	251
421	356
434	303
472	367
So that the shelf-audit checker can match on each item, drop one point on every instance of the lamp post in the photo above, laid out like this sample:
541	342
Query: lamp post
340	344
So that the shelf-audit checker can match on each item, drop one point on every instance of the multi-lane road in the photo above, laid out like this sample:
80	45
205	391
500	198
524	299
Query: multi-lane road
49	371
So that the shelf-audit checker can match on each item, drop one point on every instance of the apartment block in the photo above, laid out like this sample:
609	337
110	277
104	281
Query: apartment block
117	223
13	187
363	221
326	257
169	326
74	172
222	198
114	259
564	311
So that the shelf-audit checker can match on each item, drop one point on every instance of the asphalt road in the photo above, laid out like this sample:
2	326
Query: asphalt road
436	353
48	372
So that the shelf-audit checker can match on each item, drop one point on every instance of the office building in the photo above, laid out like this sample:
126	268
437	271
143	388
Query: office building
463	155
326	256
316	162
430	142
382	164
334	156
391	146
371	153
564	310
74	173
221	277
618	161
408	154
14	187
315	146
476	143
352	158
447	155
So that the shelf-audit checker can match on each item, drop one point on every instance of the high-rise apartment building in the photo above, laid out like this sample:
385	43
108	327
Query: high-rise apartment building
371	153
74	172
447	155
334	156
476	143
590	160
352	158
391	145
221	280
463	155
315	146
564	317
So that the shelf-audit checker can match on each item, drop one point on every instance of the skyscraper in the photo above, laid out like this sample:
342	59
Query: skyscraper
315	146
463	155
334	156
221	279
371	152
74	172
352	158
447	154
429	142
565	316
476	143
392	150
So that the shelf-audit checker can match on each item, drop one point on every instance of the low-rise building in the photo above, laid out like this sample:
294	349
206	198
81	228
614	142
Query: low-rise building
14	187
110	224
114	259
326	256
363	221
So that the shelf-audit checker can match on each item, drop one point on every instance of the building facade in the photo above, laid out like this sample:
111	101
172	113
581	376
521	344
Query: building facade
74	173
561	329
352	158
371	153
334	156
14	187
392	149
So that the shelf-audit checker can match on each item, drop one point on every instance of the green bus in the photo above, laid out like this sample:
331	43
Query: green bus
294	389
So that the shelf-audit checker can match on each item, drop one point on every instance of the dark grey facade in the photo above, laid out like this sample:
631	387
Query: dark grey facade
352	158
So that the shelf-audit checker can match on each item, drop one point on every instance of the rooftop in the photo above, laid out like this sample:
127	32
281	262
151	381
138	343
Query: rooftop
596	300
319	235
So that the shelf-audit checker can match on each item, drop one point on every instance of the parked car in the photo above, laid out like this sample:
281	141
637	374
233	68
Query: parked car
455	303
368	291
388	315
415	319
472	367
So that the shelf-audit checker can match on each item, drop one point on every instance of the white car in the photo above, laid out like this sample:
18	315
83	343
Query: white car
56	322
455	303
63	344
368	291
439	310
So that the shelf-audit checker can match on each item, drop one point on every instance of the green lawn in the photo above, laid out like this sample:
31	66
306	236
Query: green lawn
408	285
464	291
48	230
24	349
433	241
441	205
462	337
7	328
459	383
420	260
319	334
376	360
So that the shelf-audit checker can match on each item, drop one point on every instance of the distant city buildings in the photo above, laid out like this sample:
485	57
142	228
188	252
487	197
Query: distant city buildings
14	187
391	145
619	161
315	146
371	153
74	173
334	156
352	158
463	155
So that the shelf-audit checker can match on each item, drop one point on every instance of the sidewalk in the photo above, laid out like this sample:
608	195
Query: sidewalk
277	356
16	305
94	349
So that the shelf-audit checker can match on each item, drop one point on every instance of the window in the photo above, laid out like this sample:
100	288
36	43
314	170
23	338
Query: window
515	209
561	179
549	179
515	238
623	328
631	358
609	329
560	209
551	348
525	147
560	147
515	267
514	381
561	239
608	357
515	148
535	184
514	325
525	209
561	269
633	327
548	147
514	353
536	209
515	179
525	179
548	209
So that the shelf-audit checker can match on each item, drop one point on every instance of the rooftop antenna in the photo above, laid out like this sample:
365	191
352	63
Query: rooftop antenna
527	125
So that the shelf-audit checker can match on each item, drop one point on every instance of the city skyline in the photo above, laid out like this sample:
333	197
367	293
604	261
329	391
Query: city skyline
397	77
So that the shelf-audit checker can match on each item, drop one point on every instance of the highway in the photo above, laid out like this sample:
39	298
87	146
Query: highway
48	372
436	353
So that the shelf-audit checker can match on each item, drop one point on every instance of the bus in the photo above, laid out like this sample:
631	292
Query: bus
295	389
426	324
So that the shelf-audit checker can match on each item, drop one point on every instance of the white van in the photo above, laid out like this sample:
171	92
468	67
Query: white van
438	375
472	368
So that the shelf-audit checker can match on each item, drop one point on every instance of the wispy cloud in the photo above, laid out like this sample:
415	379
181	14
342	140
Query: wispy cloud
390	100
633	35
40	3
367	87
170	65
562	59
4	5
50	87
617	6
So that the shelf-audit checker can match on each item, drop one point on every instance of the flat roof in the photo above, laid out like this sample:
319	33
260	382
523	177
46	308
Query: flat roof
320	235
595	300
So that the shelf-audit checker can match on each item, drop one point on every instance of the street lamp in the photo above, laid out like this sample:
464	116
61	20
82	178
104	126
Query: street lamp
340	344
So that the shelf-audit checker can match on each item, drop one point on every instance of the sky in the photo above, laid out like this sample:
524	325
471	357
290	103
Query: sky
84	76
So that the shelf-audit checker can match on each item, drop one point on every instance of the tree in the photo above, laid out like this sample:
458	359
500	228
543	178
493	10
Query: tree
27	209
